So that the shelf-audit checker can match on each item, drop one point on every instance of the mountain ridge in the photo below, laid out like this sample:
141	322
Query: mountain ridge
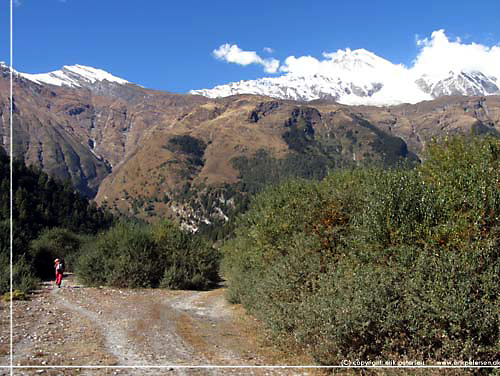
359	77
74	76
141	151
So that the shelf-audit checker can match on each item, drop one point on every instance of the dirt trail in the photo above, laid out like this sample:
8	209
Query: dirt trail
80	327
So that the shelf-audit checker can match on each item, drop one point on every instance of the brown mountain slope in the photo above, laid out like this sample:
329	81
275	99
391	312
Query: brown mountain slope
80	134
419	123
235	127
134	148
242	125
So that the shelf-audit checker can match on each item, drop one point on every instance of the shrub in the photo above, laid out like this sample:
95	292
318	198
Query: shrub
51	244
123	256
372	264
188	261
132	255
15	295
23	277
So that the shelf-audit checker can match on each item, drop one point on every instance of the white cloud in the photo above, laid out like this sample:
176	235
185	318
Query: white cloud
343	63
234	54
269	50
302	65
271	65
439	55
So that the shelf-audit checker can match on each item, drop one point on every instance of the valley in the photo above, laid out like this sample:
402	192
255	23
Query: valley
118	143
292	260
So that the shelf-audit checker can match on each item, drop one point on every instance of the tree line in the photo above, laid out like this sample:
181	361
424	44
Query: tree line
51	220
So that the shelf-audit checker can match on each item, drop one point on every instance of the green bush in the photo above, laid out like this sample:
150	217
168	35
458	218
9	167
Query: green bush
51	244
23	277
374	264
123	256
188	262
133	255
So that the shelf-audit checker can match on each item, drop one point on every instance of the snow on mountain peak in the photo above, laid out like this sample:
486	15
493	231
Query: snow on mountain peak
356	59
443	66
347	76
459	83
73	76
93	74
359	77
338	64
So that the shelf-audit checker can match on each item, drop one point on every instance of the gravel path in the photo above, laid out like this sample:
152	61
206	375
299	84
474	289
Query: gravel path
171	332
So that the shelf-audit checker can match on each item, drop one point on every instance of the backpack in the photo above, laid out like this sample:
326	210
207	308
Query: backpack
60	267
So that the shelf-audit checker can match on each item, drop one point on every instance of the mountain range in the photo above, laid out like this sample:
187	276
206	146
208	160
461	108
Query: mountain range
142	152
360	77
352	77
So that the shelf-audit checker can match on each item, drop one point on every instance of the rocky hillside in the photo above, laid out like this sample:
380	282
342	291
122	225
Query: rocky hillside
82	133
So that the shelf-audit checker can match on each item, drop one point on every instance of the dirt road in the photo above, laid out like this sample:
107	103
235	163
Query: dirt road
168	332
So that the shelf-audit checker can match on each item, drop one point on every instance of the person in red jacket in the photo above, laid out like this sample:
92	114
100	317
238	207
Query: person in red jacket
58	266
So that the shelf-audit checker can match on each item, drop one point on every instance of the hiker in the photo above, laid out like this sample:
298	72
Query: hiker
59	267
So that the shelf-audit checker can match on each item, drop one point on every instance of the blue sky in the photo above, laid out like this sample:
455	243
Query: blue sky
169	45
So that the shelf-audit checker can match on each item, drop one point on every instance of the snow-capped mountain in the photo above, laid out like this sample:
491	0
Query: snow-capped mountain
74	76
294	87
459	83
352	77
360	77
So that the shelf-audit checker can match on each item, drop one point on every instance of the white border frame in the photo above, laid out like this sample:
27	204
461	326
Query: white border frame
11	365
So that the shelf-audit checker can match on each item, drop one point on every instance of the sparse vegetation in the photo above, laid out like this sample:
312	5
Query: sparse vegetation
310	158
216	208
